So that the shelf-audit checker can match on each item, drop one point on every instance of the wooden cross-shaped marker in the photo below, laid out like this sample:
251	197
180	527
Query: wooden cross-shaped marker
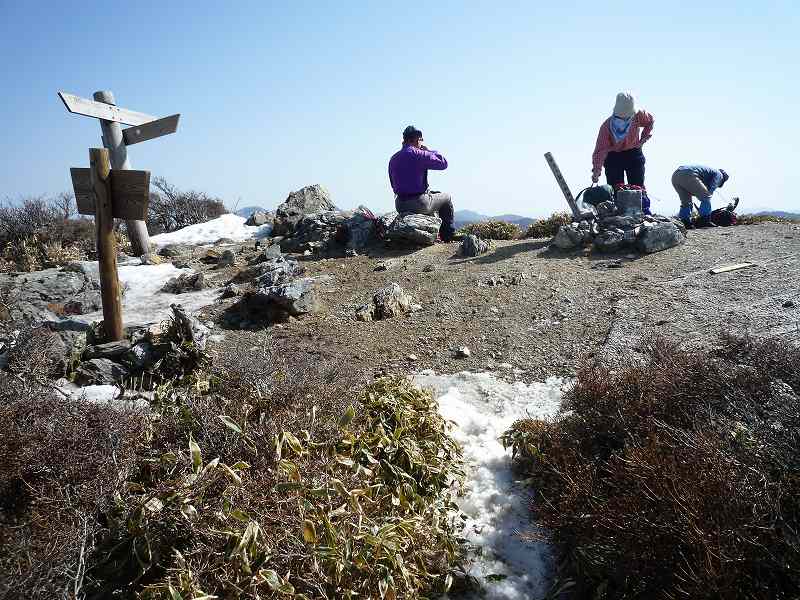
116	139
107	194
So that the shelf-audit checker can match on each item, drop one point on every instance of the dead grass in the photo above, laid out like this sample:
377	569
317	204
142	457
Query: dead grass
492	230
677	478
270	480
756	219
547	228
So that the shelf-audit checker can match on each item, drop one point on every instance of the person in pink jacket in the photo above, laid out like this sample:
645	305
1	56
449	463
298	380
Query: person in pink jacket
619	145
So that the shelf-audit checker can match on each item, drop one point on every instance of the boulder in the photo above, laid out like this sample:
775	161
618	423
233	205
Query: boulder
185	282
472	245
140	356
44	295
309	200
296	298
273	271
175	250
316	232
259	218
365	312
100	371
227	259
411	228
629	202
660	236
150	259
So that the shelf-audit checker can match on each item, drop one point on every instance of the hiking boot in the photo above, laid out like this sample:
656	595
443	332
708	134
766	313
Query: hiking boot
687	223
703	222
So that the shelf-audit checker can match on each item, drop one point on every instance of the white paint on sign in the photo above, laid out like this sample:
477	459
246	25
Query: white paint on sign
101	110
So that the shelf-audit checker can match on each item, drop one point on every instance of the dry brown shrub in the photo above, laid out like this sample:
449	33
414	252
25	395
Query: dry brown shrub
547	228
675	478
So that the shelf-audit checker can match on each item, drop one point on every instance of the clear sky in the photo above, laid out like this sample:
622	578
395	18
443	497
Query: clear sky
274	96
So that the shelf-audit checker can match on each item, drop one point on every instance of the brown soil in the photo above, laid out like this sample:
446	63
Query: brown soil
566	306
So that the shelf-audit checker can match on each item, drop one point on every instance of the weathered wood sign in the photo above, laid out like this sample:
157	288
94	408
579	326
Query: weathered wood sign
116	140
130	193
562	183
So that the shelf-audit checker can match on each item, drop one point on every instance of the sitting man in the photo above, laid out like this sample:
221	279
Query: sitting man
408	174
701	182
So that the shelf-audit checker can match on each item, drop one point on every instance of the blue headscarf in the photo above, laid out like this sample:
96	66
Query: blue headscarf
620	127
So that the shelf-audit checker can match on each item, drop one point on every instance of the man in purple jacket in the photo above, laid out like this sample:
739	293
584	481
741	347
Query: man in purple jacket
408	174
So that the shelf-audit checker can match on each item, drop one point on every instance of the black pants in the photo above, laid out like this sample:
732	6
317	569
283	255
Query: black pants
630	162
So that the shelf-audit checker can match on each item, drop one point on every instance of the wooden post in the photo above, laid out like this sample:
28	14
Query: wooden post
100	169
562	183
113	140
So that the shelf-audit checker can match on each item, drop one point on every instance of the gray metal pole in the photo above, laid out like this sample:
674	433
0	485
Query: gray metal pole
112	139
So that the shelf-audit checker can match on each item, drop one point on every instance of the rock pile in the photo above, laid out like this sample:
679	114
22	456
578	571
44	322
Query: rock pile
616	229
306	201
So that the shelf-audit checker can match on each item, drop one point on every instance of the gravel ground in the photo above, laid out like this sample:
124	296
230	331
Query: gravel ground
528	308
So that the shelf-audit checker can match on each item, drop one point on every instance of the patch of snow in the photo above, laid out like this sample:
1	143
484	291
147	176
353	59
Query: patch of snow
226	226
483	407
143	302
100	394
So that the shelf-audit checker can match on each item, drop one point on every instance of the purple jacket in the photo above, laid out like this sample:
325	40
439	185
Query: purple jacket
408	170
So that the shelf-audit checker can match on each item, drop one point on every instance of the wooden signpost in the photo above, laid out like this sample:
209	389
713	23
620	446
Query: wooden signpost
115	139
562	183
107	195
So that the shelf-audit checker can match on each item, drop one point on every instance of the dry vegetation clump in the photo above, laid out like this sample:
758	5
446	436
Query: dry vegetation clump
492	230
547	228
171	209
675	478
272	481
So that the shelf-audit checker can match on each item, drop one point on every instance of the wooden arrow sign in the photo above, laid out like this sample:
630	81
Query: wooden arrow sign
101	110
130	193
151	130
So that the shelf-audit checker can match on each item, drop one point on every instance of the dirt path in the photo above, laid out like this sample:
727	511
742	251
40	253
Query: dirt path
524	306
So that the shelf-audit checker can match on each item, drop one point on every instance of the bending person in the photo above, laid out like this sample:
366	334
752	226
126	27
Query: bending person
408	174
619	146
700	182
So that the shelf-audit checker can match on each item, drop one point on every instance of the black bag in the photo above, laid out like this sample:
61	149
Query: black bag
724	217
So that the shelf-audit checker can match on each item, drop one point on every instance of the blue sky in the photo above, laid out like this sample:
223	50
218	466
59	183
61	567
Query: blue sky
275	96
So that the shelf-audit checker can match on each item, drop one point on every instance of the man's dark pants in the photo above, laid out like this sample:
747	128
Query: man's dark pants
430	203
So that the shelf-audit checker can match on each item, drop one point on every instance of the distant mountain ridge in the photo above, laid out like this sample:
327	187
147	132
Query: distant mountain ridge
465	217
779	213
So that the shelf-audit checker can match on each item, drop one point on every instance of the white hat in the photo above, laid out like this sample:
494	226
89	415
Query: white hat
625	105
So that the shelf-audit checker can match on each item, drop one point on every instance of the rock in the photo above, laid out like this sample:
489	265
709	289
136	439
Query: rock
100	371
620	222
609	240
107	350
44	295
308	200
472	245
211	256
411	228
150	259
175	250
629	202
381	266
360	229
391	301
224	241
365	312
189	328
429	268
185	282
272	271
140	356
788	304
412	357
463	352
259	218
316	232
659	236
572	235
227	259
278	302
230	291
606	209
